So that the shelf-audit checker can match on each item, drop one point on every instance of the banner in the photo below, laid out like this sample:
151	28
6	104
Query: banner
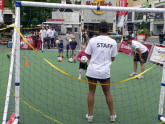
157	55
121	14
95	16
24	45
1	4
125	48
1	16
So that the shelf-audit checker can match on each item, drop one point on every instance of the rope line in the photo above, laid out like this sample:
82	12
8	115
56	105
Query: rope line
75	78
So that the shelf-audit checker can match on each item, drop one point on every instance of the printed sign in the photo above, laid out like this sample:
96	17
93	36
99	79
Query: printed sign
157	55
95	16
125	48
99	3
65	17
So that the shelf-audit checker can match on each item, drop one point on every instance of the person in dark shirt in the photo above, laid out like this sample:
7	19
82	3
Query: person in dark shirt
35	38
60	47
73	45
161	38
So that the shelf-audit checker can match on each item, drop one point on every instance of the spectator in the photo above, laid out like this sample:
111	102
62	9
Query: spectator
60	46
48	37
73	45
35	38
85	36
55	36
68	39
133	35
161	38
43	36
52	42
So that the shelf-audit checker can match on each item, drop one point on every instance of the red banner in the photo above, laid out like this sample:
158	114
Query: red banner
24	45
122	3
126	49
1	4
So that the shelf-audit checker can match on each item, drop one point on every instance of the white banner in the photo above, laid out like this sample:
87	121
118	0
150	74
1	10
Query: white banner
65	17
1	16
121	21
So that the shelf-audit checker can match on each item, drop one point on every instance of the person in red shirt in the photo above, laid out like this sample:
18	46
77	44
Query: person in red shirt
82	65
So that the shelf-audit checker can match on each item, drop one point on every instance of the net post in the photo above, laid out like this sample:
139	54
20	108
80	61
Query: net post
162	94
17	62
13	53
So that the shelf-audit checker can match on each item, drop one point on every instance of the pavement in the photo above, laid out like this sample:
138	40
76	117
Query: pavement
3	46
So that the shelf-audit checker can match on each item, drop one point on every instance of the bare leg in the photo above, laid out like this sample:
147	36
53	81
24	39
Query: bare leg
92	88
135	66
142	67
80	73
108	96
62	54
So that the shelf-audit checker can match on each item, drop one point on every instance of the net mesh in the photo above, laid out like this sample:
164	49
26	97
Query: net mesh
47	96
5	56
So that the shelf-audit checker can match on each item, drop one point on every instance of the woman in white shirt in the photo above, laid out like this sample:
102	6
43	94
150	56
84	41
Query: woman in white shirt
101	51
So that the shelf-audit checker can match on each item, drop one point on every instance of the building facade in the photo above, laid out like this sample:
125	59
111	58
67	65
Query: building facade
155	22
8	15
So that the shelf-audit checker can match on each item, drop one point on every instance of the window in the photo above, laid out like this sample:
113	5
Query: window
159	15
139	15
129	17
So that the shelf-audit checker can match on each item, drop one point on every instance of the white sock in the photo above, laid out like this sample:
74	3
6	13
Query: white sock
80	72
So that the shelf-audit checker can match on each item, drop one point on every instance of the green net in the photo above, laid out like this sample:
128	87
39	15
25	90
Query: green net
47	96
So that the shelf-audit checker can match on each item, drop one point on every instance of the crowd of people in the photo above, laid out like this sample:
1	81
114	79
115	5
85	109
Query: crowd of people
48	37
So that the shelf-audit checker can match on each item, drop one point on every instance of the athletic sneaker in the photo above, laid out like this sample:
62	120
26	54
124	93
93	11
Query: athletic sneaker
89	118
140	77
132	74
79	77
113	118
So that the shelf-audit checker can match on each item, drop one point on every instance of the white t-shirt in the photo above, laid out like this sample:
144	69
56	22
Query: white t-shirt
101	49
69	36
52	33
43	34
49	33
136	44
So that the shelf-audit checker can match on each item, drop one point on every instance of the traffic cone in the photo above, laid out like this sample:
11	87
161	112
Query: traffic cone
11	119
26	62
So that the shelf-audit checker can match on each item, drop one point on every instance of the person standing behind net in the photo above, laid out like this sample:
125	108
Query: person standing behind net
48	38
82	65
60	47
43	36
68	39
140	53
55	37
52	38
73	45
101	51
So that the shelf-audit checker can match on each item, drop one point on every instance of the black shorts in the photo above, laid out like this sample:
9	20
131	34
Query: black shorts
83	66
100	80
143	55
